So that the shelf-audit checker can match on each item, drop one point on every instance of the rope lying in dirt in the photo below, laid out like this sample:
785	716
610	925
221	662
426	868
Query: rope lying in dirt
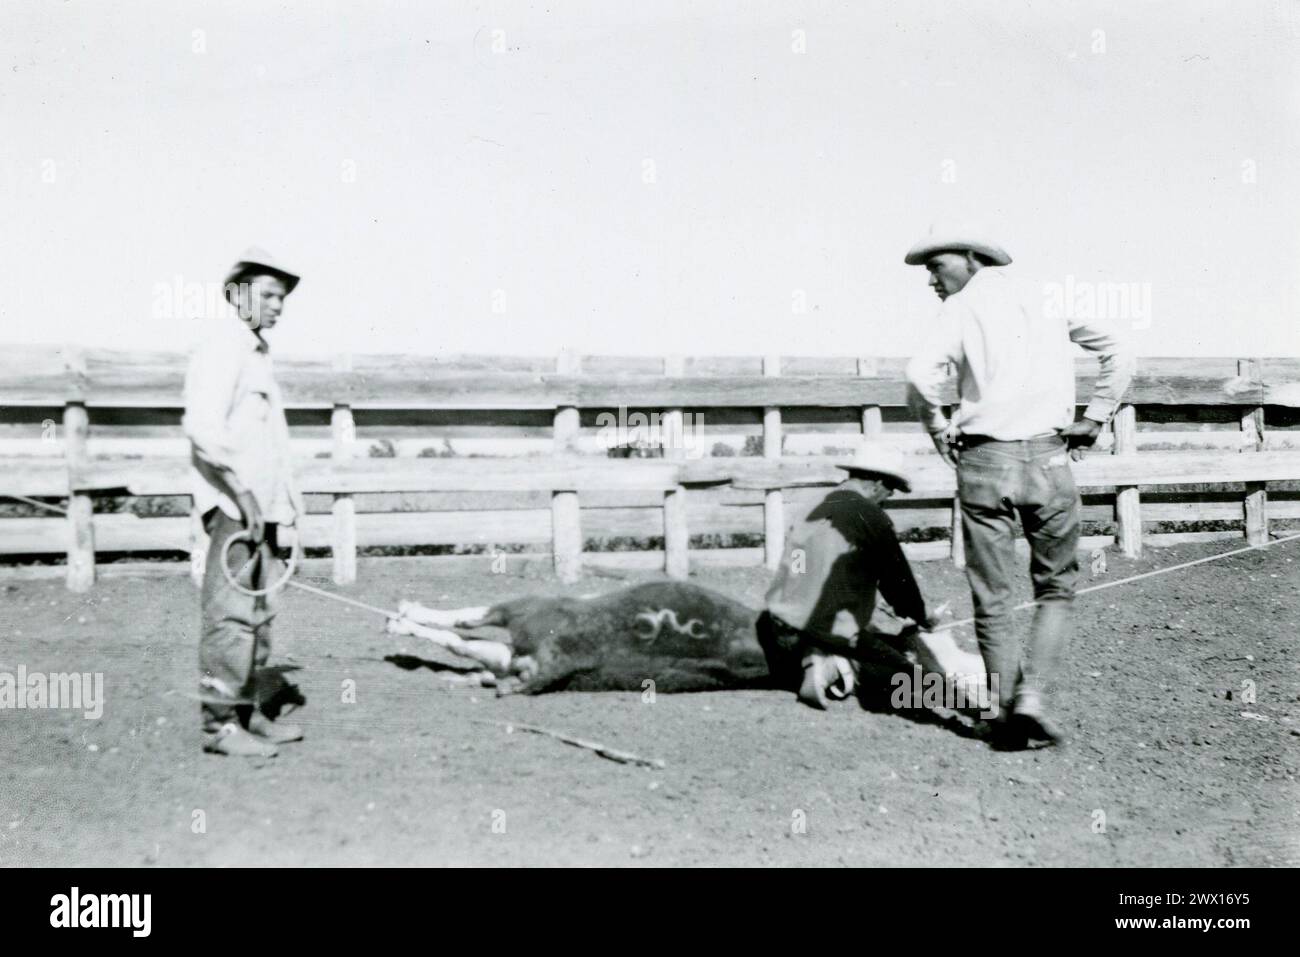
1133	578
613	754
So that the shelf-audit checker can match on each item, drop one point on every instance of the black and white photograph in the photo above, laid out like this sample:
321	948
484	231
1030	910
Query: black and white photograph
732	433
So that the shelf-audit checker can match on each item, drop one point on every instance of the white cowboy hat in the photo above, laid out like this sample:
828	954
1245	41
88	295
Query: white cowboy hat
257	261
955	237
883	461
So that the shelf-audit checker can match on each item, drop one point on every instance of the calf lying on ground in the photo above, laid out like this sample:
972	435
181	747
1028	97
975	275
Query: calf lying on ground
680	636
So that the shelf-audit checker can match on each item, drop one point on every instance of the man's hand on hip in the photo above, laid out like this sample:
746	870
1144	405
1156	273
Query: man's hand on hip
252	516
1081	435
945	445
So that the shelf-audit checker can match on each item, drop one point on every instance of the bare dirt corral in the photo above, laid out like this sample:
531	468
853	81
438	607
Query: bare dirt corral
1162	768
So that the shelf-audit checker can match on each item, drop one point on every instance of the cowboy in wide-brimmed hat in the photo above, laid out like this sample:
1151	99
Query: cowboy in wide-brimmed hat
882	463
837	558
1011	438
256	262
958	238
244	489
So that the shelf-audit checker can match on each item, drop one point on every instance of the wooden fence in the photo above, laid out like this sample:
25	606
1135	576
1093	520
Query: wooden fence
87	425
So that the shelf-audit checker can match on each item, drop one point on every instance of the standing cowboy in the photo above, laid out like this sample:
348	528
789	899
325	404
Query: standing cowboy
243	486
1010	440
837	558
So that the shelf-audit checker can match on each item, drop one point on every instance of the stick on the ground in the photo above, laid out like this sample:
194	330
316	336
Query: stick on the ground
613	754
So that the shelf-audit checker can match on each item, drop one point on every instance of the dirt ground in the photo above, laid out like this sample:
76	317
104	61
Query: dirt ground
1162	767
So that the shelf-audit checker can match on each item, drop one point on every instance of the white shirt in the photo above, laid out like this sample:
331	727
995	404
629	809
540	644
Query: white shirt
1015	365
234	418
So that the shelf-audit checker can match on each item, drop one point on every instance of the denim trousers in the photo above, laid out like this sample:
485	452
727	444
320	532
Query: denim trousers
235	636
996	483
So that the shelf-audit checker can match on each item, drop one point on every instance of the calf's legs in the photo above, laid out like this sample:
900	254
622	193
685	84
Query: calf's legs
493	655
470	617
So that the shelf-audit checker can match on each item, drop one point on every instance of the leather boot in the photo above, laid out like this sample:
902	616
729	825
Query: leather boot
1031	719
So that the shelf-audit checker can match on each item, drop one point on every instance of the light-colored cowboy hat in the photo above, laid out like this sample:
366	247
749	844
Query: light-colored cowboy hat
881	460
955	237
256	261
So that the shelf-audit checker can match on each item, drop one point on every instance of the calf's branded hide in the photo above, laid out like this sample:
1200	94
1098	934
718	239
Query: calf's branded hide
680	636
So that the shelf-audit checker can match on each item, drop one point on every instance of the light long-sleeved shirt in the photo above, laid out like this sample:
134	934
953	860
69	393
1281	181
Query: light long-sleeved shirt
1015	365
836	559
234	419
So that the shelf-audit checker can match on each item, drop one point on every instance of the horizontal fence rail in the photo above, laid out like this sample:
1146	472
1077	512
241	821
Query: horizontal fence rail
41	376
71	401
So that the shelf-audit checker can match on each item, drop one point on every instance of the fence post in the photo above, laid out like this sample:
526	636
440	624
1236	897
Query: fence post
957	545
774	503
1128	505
1255	507
677	537
566	516
198	548
76	432
872	422
343	543
81	519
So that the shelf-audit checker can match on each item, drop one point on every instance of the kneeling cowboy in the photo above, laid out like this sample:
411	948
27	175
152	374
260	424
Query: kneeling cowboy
836	559
243	485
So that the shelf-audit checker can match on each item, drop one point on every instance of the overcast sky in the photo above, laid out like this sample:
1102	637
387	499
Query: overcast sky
609	177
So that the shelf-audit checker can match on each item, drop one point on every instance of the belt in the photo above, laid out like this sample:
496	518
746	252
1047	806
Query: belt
965	441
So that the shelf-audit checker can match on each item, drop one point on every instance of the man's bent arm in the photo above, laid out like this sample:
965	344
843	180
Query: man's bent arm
927	372
897	585
1118	363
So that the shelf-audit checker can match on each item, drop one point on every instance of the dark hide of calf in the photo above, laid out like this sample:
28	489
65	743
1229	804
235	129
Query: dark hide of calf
679	636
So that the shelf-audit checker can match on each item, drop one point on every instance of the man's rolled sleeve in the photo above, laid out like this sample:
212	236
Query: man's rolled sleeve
1117	359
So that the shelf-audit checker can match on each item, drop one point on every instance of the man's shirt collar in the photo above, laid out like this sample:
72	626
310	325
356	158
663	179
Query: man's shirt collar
249	338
